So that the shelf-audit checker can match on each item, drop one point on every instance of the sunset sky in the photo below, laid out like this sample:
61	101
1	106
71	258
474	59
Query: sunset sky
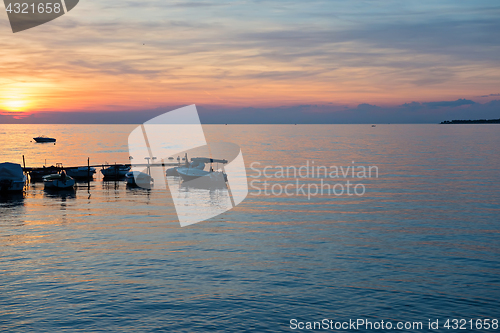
270	56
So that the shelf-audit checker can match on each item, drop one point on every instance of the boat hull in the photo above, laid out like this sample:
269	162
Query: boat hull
81	173
58	184
139	179
188	174
111	174
37	176
44	140
12	186
201	176
53	182
172	172
12	178
115	172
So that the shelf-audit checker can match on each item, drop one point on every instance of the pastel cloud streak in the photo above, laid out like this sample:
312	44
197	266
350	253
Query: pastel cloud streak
273	55
414	112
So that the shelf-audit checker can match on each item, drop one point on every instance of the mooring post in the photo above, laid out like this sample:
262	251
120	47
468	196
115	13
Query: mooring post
88	173
24	166
88	176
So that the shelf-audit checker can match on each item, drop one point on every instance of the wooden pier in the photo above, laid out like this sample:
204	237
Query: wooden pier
60	167
36	173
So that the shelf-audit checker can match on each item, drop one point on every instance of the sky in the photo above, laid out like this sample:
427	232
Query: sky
272	61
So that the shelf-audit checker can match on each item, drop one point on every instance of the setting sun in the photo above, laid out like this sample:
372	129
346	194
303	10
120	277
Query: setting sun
14	100
15	105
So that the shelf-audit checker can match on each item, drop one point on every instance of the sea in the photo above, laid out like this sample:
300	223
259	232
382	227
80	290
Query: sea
344	228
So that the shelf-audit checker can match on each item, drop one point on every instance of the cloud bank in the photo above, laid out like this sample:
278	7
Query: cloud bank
414	112
130	55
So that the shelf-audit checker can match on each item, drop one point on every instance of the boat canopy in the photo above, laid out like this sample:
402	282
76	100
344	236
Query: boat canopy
11	171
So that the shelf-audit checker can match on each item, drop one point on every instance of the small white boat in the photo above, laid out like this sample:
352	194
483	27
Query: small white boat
59	181
115	171
139	179
186	165
195	170
192	174
188	174
43	139
12	178
81	173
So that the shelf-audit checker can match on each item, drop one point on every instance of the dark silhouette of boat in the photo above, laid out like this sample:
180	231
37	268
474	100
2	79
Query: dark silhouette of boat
115	172
37	175
12	178
43	139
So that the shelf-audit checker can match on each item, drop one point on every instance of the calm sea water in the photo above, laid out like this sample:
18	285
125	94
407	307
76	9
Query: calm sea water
422	243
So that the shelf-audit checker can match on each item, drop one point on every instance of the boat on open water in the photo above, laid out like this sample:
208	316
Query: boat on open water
44	139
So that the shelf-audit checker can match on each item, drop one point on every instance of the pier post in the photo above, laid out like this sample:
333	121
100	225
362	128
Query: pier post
24	166
88	174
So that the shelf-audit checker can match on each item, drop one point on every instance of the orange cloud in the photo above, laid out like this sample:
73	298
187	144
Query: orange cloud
108	56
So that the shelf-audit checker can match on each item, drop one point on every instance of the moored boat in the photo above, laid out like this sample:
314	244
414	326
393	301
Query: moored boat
188	174
195	170
172	172
37	175
186	164
117	171
12	178
139	179
59	181
81	172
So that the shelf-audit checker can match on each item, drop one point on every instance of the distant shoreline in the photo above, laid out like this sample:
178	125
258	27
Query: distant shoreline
478	121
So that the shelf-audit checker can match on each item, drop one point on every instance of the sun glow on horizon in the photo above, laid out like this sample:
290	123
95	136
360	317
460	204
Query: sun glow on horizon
15	105
301	61
14	100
